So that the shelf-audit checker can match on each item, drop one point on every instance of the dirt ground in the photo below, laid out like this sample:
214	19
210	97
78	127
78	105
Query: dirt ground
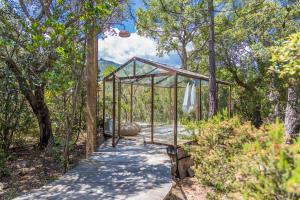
29	168
188	189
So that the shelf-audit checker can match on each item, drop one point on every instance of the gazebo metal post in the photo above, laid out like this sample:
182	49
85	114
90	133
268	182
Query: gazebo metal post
175	120
171	106
119	107
103	109
229	101
134	67
175	111
131	92
114	111
152	108
131	101
200	101
97	106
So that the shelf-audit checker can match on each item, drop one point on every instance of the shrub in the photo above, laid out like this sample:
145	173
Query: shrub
218	141
3	169
269	168
241	162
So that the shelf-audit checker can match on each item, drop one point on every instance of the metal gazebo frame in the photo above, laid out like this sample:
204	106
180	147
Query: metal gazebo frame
168	71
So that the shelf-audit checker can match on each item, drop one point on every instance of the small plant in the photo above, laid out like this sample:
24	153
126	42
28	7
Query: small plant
3	168
269	168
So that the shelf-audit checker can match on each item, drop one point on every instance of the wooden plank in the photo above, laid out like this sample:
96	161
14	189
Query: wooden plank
132	171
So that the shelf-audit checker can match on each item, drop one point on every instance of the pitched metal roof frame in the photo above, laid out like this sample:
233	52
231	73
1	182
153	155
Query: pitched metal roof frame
172	70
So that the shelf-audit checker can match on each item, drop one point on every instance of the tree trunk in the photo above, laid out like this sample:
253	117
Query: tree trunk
37	103
42	113
213	99
91	91
292	113
184	56
274	97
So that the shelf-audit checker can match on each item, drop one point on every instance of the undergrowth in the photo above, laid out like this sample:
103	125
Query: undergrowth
241	162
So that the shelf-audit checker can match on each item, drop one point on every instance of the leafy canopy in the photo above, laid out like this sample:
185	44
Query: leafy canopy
286	58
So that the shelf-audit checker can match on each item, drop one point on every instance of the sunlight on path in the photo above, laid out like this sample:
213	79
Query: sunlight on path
129	171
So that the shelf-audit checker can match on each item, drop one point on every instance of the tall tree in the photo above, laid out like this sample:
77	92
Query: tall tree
174	25
286	62
92	69
33	35
213	98
245	32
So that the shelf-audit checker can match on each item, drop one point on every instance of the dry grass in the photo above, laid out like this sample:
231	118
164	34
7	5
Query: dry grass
188	189
29	168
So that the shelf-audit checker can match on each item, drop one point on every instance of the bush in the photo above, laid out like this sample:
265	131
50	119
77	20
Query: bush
218	141
241	162
3	169
269	168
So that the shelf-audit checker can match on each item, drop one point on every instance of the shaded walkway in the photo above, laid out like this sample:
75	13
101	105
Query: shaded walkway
129	171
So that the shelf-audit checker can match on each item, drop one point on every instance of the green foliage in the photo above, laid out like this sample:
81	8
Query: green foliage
15	115
243	49
175	23
241	162
218	141
286	59
3	169
108	70
268	168
46	51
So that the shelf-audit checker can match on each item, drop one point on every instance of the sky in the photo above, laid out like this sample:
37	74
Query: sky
119	50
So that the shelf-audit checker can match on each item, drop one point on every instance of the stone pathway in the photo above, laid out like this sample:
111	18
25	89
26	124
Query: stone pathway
130	171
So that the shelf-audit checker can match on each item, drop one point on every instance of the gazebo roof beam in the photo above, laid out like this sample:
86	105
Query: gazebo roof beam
142	76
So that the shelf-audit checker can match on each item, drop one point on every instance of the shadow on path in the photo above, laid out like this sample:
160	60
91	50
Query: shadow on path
129	171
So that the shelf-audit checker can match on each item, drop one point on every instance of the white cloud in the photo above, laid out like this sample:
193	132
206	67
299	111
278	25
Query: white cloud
120	50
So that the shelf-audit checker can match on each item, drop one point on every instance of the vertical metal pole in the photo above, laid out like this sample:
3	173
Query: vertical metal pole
97	105
119	107
170	97
200	100
175	111
134	67
229	102
131	101
131	93
114	111
152	108
103	109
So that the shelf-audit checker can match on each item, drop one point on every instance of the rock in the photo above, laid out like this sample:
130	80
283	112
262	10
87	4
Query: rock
130	129
2	186
190	172
181	153
183	165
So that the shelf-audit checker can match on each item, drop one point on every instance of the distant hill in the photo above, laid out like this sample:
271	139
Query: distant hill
103	64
